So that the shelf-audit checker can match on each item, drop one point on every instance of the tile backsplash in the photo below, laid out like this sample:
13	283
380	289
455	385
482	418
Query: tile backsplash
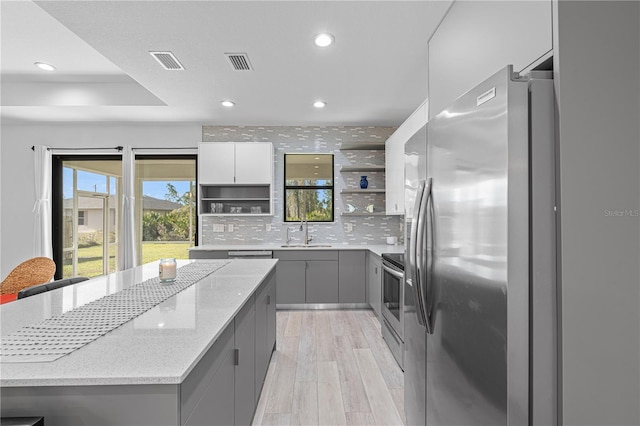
231	230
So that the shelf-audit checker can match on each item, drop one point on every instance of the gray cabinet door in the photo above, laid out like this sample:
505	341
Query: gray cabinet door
265	330
290	277
271	318
207	394
245	374
353	274
374	284
322	281
262	357
217	405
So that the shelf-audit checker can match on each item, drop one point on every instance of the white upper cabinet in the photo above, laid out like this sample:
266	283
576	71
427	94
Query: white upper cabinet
235	163
216	162
394	159
476	39
254	162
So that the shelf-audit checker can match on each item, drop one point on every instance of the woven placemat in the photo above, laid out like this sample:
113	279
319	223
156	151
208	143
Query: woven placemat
58	336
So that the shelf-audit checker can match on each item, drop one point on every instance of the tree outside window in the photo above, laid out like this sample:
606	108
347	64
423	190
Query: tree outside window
308	187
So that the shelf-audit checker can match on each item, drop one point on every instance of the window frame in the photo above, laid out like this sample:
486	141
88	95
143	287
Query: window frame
324	187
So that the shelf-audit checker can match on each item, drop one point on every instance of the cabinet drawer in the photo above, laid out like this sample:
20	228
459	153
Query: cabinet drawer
305	254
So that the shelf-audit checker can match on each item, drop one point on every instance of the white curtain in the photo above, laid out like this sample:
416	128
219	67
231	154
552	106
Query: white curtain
127	227
42	239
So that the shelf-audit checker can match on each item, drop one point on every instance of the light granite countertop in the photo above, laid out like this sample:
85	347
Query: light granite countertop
161	346
377	248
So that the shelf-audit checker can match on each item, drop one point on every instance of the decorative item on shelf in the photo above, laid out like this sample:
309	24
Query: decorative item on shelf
217	208
351	208
364	183
167	270
392	240
369	208
256	209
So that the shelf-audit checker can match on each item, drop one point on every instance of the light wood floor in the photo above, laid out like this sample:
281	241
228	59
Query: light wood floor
331	368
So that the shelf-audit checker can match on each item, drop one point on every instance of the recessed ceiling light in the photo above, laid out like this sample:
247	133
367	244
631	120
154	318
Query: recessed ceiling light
324	40
44	66
227	103
319	104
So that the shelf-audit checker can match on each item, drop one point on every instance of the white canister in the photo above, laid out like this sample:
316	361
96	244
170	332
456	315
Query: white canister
167	270
392	240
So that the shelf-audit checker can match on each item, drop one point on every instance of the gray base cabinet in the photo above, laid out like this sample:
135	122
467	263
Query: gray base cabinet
291	278
207	394
321	276
245	373
307	276
352	276
265	331
374	283
322	281
223	389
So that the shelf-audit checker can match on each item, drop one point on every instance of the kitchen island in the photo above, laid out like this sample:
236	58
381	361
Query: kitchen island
199	357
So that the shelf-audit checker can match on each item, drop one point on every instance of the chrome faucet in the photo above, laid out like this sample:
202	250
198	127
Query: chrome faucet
305	224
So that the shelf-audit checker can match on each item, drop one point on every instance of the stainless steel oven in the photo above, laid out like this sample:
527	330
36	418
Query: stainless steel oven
393	303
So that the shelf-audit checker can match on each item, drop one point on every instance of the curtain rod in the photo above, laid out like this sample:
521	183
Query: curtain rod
117	148
164	147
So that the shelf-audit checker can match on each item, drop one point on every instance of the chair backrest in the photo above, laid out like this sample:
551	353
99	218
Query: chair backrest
27	274
37	289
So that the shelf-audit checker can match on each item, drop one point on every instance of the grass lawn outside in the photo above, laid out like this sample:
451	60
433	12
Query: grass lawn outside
90	258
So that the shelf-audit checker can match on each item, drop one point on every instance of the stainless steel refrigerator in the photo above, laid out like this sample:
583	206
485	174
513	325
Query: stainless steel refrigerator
480	329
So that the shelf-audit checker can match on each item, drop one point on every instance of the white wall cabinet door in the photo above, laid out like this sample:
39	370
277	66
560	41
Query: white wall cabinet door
231	162
216	163
395	175
394	159
254	162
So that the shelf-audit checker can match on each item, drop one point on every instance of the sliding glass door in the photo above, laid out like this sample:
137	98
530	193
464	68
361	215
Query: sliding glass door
165	206
86	215
87	197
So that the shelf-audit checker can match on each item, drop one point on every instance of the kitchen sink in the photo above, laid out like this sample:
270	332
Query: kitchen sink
305	245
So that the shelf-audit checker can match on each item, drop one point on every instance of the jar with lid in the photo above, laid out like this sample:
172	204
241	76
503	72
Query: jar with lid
167	270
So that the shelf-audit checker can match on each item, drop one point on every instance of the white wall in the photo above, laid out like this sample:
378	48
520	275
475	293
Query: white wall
476	39
597	67
17	173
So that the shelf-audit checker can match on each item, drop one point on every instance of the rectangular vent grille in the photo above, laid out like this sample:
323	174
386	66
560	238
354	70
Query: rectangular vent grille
239	61
167	60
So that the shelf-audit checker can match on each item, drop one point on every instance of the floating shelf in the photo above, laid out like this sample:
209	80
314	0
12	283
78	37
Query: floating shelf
362	146
362	169
364	214
362	191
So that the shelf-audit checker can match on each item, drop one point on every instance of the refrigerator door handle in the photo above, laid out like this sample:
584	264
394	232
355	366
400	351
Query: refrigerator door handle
414	276
422	255
428	302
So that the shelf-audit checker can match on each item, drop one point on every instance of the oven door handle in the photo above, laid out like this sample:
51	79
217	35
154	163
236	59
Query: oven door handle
393	272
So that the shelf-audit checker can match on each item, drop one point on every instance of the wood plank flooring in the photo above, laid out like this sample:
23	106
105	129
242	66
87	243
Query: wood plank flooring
331	368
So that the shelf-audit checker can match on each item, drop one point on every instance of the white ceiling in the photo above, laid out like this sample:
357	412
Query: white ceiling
374	74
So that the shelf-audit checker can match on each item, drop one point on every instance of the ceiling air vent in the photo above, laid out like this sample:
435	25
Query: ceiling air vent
167	60
239	61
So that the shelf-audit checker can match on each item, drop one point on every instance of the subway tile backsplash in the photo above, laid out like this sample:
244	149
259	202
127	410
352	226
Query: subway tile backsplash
230	230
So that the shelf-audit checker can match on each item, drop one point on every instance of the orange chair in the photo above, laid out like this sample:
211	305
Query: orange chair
29	273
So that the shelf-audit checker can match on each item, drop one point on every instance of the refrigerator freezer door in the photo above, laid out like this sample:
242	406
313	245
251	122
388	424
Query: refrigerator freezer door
476	370
414	332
